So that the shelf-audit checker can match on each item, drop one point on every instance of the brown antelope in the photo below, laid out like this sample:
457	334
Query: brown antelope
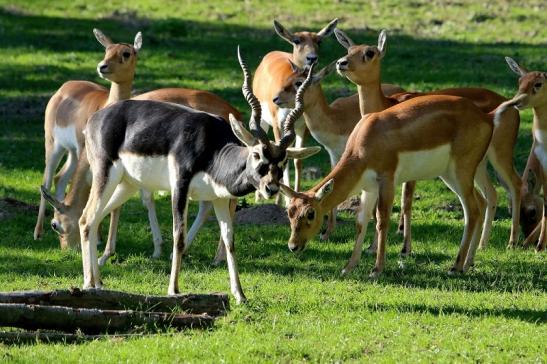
331	124
425	137
68	211
66	116
362	67
273	82
532	93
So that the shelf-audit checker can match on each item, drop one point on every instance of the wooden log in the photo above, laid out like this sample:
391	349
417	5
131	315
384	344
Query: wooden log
94	321
29	337
212	304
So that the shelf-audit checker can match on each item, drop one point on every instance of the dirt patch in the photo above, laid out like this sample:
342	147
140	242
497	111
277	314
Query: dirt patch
351	205
129	18
10	206
267	214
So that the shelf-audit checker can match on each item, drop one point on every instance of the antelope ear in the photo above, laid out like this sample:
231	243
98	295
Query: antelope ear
287	191
343	38
533	183
57	205
101	38
326	31
382	42
515	67
294	67
302	153
137	44
325	190
318	77
282	32
241	133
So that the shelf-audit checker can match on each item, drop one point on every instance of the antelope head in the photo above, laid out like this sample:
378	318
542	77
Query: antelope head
306	213
532	91
305	44
120	59
362	63
64	222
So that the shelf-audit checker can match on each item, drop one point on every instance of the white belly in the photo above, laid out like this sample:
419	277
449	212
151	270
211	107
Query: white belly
334	143
153	174
368	181
540	149
425	164
66	137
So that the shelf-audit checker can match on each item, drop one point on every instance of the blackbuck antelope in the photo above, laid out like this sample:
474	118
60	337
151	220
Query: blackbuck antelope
422	138
66	116
274	78
68	211
532	93
195	155
362	67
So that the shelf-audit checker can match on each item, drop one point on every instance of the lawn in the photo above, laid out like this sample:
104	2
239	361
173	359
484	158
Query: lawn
299	309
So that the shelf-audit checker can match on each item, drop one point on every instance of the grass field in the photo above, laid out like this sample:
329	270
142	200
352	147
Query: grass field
299	309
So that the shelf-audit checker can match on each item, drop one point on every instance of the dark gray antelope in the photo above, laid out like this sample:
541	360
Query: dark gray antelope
192	154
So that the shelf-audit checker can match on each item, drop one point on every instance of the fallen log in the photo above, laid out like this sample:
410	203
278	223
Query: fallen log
94	321
29	337
212	304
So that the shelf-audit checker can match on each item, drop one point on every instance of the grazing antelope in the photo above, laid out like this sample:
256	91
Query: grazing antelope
195	155
425	137
66	116
274	77
362	67
532	93
331	124
68	211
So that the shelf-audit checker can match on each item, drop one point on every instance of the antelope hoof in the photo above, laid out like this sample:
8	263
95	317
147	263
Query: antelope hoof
375	274
157	254
172	291
405	253
37	234
103	260
217	262
540	249
455	271
240	298
324	236
400	230
371	250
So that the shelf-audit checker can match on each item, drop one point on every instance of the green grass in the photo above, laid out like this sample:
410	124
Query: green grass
300	309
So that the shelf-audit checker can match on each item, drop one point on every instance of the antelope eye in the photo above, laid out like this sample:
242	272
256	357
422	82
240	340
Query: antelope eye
298	84
126	54
369	54
538	85
296	41
256	156
311	214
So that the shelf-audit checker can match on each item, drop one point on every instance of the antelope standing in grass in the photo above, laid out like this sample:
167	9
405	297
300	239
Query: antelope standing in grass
532	93
66	116
195	155
68	211
274	77
331	124
362	67
425	137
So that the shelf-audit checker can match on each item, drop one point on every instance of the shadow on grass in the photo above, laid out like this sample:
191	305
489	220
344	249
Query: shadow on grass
532	316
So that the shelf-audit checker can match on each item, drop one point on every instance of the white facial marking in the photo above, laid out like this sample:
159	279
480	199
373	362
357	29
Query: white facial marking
423	164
